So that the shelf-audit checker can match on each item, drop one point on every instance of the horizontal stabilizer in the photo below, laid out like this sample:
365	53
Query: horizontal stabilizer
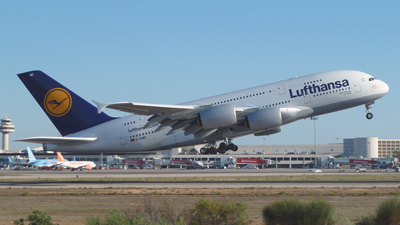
58	140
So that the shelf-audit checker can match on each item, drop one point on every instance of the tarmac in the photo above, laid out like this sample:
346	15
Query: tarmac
44	179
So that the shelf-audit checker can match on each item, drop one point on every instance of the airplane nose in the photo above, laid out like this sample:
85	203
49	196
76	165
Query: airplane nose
384	87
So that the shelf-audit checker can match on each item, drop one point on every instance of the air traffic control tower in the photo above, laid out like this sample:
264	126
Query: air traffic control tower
6	127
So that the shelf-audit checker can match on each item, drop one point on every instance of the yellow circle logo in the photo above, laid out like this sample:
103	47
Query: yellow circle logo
57	102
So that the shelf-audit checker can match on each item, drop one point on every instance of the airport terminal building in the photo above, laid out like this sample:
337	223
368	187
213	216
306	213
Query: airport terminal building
370	147
270	156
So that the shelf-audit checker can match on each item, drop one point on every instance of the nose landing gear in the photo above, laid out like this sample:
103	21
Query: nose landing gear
368	110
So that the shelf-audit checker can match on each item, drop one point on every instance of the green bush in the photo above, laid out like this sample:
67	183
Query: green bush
165	213
213	213
36	218
388	212
120	218
294	212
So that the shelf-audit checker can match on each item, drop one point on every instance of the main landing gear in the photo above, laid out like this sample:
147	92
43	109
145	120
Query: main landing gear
368	110
222	148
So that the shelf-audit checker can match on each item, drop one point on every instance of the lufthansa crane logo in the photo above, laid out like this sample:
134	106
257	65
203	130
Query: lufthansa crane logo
57	102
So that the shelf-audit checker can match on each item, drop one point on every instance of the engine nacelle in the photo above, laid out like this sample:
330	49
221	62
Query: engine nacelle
217	116
264	119
269	132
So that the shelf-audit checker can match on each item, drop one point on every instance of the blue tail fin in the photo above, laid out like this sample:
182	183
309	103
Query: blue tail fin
10	160
68	112
30	154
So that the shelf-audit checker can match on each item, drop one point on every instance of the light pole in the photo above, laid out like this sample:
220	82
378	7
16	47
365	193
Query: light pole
315	139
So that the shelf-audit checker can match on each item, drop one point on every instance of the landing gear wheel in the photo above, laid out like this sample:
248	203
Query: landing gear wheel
212	150
204	151
369	116
235	148
221	150
222	145
231	146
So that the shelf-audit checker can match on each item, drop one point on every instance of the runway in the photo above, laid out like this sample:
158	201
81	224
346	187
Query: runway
46	179
199	184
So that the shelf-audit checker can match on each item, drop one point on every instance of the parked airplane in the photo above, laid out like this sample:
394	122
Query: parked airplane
74	164
10	162
259	110
195	165
40	162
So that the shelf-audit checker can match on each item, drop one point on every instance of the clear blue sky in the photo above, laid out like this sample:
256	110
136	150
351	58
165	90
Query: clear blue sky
171	52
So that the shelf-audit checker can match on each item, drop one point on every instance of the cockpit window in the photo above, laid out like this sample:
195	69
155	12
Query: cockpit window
371	79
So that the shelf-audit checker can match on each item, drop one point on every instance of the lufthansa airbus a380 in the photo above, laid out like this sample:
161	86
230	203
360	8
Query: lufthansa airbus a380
259	110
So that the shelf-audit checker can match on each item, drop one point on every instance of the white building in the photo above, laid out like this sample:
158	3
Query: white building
370	147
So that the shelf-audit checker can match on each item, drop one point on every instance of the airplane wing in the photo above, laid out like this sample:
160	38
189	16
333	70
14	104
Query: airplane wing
144	108
178	117
58	140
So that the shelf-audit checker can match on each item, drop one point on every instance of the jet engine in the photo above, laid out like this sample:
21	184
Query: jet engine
217	116
274	117
264	119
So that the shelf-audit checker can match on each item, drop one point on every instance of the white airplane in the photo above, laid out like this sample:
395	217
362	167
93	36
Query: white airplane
89	165
259	110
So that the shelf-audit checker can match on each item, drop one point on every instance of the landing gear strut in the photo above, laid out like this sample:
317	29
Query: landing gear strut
368	110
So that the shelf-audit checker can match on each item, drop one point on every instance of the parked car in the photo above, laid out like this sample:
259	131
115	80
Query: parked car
315	171
361	170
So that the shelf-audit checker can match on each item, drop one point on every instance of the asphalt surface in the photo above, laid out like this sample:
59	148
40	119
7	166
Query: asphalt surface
39	178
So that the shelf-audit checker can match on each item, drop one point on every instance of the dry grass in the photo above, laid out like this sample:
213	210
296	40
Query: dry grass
71	206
